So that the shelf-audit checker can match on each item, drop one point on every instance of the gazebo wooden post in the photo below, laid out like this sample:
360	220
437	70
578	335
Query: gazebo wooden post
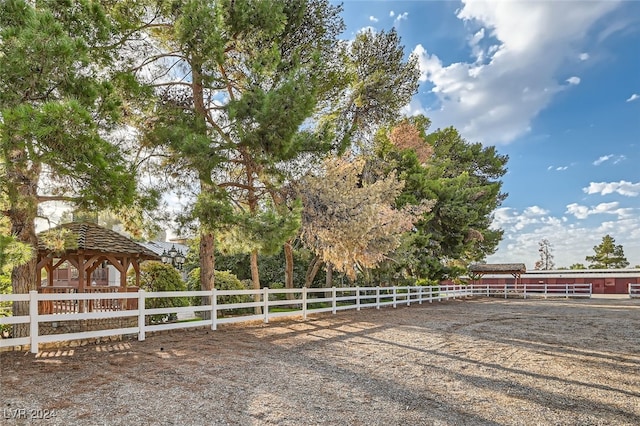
39	277
81	286
123	281
50	269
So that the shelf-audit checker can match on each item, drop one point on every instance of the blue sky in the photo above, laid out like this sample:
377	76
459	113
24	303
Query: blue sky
555	85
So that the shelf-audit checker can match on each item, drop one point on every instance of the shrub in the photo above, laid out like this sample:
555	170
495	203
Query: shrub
224	280
157	276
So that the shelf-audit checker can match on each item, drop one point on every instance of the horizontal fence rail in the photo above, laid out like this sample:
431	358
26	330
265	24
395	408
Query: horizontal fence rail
538	290
229	306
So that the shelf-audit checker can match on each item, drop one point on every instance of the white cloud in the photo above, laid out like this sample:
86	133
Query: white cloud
561	168
580	212
573	80
633	97
392	13
494	100
583	212
614	158
623	187
535	211
584	56
401	17
373	19
602	160
571	242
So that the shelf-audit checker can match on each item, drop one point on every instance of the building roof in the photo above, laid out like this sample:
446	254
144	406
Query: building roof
505	268
159	247
94	238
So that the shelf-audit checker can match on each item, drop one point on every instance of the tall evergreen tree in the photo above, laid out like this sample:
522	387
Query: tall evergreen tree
59	101
463	178
607	255
236	80
374	81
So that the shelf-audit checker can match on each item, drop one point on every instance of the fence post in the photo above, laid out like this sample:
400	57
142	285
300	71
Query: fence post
33	321
419	295
394	296
214	309
525	290
141	315
265	300
357	298
545	290
378	297
304	302
408	296
333	299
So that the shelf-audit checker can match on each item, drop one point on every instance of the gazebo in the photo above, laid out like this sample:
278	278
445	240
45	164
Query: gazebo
94	246
513	269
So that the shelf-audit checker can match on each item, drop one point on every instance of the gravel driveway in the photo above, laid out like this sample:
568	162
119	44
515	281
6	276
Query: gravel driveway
461	362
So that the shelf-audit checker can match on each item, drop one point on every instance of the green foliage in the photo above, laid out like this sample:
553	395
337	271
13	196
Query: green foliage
257	71
157	276
12	253
463	179
60	101
224	280
59	240
607	255
376	82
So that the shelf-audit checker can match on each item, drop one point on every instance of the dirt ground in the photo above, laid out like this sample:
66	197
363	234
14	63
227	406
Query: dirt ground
460	362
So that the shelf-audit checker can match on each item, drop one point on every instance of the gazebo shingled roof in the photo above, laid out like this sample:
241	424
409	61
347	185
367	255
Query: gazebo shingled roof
95	245
95	238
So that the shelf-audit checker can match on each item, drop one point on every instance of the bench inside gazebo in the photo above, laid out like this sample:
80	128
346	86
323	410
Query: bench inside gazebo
94	246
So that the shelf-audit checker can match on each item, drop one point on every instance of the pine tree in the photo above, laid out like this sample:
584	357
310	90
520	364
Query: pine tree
59	101
607	255
235	82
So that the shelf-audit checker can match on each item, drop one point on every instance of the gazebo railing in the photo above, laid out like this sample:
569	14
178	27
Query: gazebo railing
104	305
113	303
58	306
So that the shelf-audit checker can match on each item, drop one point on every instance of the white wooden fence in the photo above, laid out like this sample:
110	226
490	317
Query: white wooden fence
544	290
273	303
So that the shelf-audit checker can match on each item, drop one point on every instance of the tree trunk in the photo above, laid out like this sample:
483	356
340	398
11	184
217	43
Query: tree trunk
207	260
288	267
207	267
23	206
328	279
255	279
312	270
329	276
